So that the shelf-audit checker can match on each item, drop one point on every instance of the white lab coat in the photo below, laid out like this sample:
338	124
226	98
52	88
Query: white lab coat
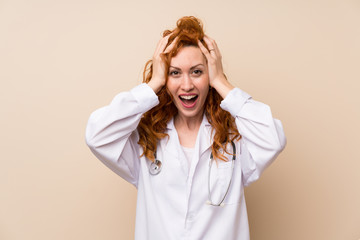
172	205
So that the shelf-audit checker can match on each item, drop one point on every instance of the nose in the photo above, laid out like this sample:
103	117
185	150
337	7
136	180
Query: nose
187	83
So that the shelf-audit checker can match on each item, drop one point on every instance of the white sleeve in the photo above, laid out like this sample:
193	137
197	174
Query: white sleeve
262	135
111	131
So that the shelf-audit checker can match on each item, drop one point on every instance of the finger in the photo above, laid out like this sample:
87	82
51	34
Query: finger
204	50
161	45
171	46
209	43
158	45
164	42
213	48
217	50
212	41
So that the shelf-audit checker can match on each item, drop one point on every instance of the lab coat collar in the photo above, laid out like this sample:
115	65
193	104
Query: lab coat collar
171	126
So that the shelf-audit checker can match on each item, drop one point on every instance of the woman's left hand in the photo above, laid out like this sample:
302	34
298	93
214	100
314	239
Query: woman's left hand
217	78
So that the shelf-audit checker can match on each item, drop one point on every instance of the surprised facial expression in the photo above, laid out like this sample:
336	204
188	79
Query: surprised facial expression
188	81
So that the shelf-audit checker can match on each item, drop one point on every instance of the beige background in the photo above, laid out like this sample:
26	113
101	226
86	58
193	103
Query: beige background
60	60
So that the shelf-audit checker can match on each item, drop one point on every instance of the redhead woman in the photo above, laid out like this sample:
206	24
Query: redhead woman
188	140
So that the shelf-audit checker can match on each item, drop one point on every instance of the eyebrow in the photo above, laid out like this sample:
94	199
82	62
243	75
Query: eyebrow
200	64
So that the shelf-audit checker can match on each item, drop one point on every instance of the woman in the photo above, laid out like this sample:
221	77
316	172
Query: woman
187	140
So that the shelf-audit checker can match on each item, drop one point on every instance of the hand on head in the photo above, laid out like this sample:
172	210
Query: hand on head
213	57
217	77
158	78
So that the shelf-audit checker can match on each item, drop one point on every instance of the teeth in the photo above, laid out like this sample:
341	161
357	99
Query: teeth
188	97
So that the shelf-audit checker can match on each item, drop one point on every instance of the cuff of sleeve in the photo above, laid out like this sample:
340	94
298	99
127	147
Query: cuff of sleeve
145	96
234	101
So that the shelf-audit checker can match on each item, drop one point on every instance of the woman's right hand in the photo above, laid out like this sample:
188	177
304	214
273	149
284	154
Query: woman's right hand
158	78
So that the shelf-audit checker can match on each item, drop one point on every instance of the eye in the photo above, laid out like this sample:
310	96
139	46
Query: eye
197	72
174	73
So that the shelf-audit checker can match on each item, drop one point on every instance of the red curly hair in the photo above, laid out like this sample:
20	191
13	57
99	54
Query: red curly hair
153	123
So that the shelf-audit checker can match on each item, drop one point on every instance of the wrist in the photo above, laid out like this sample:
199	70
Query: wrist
222	86
155	84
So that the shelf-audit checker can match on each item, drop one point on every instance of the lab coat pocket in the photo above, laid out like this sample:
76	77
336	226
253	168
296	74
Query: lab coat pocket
224	183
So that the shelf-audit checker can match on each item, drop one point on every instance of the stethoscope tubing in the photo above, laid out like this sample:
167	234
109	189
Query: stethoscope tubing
220	204
156	167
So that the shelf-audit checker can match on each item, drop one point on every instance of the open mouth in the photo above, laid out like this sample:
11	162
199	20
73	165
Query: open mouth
188	100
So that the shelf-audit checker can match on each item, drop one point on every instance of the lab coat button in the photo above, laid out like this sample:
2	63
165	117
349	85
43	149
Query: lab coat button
191	217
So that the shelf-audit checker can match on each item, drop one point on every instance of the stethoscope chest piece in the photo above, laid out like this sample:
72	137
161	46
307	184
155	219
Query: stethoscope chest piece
155	167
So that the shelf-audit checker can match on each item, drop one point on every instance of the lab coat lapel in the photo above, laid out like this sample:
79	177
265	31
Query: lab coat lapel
204	136
203	143
173	149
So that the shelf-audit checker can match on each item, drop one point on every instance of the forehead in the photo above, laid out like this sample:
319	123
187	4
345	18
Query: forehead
187	57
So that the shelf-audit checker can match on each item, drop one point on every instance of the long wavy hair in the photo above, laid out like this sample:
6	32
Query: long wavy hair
153	123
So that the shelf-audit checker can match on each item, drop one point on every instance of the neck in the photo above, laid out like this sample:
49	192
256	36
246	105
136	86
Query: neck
188	123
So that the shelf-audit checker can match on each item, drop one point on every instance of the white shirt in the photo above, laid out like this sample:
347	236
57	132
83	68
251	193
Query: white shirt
188	153
172	205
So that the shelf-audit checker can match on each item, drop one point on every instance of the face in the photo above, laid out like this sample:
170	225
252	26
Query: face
188	81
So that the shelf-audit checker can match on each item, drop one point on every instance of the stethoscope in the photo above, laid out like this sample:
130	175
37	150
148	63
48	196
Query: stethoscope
156	166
